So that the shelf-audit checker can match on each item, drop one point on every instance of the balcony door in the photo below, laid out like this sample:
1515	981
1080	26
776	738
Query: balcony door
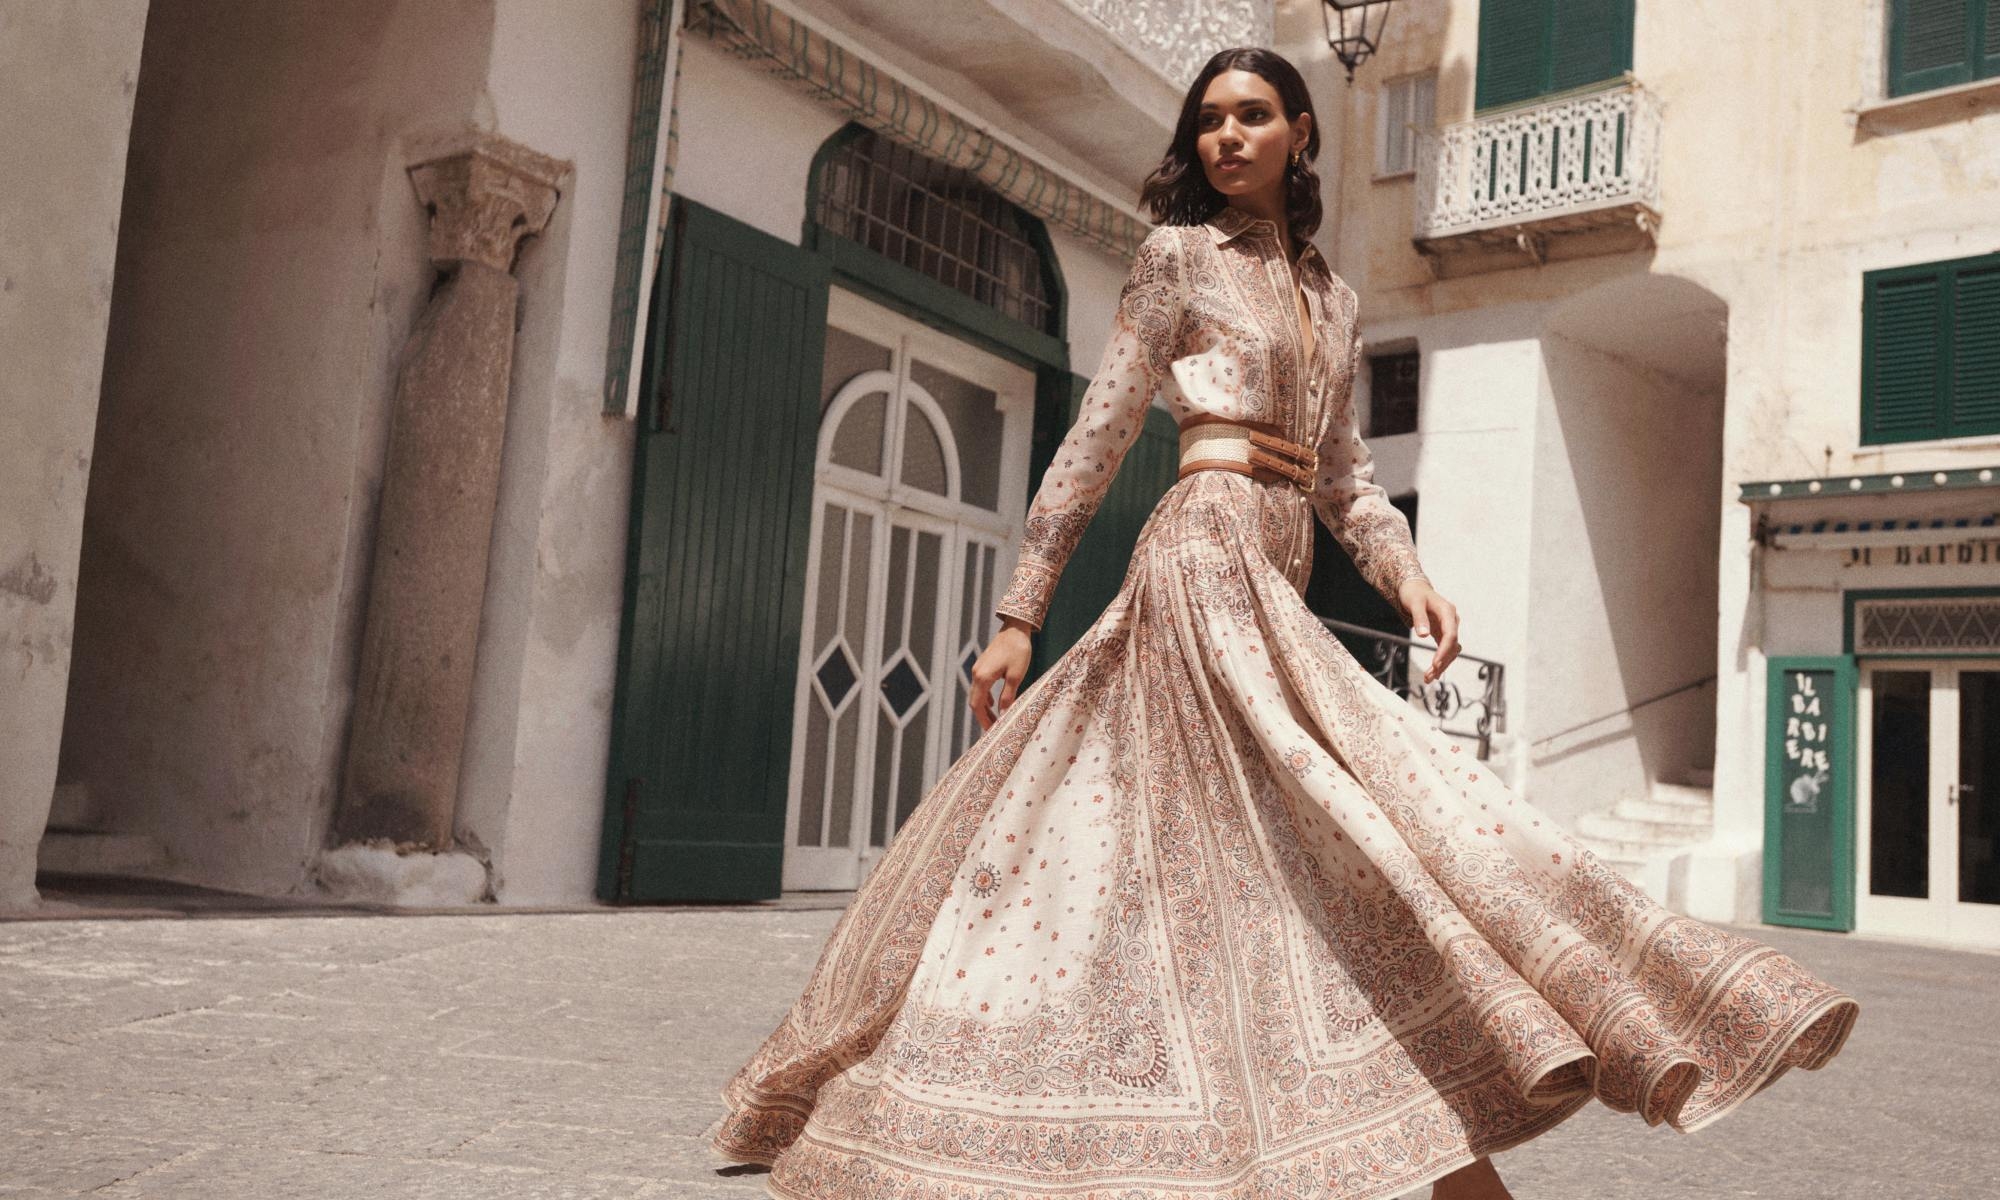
918	491
1929	804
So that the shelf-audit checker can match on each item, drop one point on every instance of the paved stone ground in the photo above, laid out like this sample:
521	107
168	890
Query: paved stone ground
217	1056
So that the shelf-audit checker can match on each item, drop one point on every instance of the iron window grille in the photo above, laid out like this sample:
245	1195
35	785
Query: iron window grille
937	220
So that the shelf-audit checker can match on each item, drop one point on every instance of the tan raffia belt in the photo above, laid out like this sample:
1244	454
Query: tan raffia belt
1226	446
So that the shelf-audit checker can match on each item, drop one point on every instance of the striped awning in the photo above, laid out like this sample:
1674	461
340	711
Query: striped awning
835	74
1833	533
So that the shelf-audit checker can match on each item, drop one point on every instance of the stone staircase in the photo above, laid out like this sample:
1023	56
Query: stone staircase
1641	833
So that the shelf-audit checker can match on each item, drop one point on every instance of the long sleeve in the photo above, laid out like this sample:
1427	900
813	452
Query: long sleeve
1353	506
1144	338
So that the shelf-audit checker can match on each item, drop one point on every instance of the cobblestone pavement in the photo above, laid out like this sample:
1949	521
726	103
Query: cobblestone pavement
577	1055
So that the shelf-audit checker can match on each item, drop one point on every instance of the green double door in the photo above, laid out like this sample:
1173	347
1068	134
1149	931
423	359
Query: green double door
715	571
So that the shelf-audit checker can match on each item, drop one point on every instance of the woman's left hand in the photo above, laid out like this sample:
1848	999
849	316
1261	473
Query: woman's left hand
1428	610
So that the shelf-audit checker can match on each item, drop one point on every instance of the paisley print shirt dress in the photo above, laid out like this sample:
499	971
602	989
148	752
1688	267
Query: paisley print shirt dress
1208	911
1208	320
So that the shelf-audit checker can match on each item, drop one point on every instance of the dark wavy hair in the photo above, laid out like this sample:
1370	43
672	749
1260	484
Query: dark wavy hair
1178	191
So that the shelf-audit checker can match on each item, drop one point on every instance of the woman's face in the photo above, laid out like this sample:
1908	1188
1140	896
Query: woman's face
1243	137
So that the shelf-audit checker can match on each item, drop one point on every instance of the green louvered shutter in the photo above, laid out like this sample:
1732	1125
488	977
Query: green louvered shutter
1530	48
1988	40
1975	347
1098	565
715	573
1902	355
1931	43
1513	51
1592	42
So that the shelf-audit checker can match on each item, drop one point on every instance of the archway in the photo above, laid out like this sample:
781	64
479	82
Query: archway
1628	495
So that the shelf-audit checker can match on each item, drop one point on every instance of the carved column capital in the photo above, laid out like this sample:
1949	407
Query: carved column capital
484	194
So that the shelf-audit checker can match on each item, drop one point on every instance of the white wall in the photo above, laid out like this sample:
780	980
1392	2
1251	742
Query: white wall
67	75
1472	469
1623	576
746	140
532	794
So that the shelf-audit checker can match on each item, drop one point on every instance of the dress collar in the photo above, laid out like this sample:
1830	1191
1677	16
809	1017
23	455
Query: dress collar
1229	221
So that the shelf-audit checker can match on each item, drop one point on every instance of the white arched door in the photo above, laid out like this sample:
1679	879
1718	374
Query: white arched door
919	487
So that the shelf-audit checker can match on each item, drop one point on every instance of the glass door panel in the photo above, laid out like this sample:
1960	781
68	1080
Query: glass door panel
1899	820
1929	821
923	448
1970	804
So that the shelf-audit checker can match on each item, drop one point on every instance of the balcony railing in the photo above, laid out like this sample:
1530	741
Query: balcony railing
1472	711
1519	177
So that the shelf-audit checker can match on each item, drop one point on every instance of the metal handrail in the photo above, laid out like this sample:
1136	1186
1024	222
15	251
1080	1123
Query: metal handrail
1689	686
1442	699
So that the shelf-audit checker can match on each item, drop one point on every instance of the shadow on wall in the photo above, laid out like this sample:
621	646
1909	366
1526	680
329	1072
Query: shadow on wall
1628	497
270	263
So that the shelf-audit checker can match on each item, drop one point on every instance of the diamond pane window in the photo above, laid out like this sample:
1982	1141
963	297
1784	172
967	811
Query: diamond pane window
836	676
902	687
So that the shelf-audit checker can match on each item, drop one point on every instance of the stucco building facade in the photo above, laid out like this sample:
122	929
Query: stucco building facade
552	453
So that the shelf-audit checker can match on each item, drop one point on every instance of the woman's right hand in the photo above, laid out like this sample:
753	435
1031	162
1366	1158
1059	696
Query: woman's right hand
1004	661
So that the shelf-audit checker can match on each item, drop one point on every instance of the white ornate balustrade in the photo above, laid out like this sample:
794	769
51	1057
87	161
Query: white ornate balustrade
1576	175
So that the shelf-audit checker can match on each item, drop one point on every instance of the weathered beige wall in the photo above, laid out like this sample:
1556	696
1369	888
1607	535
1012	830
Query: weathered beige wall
269	267
68	69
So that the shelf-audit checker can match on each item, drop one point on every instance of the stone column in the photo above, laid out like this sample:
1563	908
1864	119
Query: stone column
428	579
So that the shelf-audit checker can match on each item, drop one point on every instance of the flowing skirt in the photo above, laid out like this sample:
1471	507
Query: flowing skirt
1210	912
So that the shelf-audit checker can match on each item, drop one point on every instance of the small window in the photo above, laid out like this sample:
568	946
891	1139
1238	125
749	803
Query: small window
1939	43
1930	351
936	219
1407	110
1392	393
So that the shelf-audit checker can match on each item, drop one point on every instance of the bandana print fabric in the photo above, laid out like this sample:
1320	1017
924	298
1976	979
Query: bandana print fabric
1211	913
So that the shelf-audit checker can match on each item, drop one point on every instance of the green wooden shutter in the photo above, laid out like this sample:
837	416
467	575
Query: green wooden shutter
1098	565
721	517
1931	43
1930	351
1592	42
1975	347
1513	51
1987	39
1531	48
1902	356
1809	792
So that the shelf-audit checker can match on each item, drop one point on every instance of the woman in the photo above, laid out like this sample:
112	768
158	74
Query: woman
1207	911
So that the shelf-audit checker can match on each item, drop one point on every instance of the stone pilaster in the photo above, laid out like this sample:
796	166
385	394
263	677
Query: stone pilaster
428	579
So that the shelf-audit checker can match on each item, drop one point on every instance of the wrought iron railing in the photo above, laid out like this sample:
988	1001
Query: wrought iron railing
1387	656
1540	162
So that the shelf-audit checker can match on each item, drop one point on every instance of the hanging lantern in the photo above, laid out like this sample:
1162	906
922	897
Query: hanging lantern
1360	31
